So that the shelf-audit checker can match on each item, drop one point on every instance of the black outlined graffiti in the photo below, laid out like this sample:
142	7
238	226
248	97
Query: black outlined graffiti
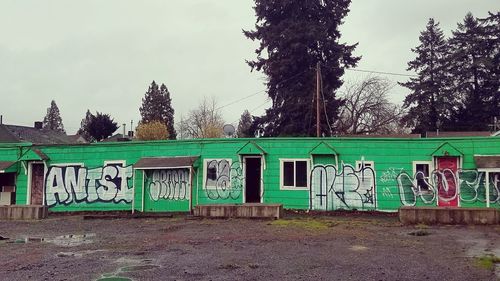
65	185
170	184
223	180
348	188
471	187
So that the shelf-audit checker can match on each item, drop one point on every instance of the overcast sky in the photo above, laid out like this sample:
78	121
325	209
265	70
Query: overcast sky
102	54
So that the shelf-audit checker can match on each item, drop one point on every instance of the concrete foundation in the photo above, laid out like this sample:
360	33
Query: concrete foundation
447	215
23	212
250	210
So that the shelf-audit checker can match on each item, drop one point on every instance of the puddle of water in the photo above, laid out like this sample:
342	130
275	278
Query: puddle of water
64	240
77	254
72	240
131	265
358	248
114	278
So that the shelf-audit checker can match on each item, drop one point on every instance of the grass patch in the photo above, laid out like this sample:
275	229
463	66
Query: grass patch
419	232
314	224
487	261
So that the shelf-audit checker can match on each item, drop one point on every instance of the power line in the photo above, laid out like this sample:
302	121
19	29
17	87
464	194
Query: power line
381	72
251	95
375	71
251	110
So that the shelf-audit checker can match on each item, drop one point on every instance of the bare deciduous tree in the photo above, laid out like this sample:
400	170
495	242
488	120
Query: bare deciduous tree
367	109
203	122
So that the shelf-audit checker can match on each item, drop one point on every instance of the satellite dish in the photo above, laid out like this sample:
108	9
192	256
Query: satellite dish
259	133
228	130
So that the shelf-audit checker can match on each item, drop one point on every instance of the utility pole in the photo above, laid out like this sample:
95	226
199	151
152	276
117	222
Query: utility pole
318	81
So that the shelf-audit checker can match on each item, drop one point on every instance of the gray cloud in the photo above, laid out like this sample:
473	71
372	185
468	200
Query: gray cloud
102	55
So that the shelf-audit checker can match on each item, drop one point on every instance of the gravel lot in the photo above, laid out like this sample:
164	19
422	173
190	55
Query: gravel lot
299	247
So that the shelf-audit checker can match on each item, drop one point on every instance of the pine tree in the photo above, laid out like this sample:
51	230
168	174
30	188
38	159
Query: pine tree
83	131
52	119
429	103
157	106
491	32
294	36
244	125
101	126
473	75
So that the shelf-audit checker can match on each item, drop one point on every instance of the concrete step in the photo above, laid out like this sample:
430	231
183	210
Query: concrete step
23	212
448	215
249	210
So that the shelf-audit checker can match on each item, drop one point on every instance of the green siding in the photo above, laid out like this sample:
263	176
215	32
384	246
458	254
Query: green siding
392	158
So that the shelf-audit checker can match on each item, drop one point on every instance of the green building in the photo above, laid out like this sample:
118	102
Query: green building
300	173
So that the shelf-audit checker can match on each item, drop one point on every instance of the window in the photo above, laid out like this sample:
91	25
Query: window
421	173
217	173
294	174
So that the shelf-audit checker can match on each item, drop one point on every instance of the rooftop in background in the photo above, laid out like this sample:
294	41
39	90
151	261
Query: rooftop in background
14	133
458	134
402	136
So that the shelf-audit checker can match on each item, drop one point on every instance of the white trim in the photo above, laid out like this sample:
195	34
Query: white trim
487	189
494	170
282	170
261	182
415	163
430	169
133	191
142	199
205	168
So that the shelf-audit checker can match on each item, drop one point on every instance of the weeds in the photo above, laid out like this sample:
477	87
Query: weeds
487	261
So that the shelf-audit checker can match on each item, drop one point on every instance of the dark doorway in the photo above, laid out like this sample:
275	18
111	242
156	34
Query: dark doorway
37	181
252	179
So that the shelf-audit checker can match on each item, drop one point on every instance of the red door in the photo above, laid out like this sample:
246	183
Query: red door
37	175
447	181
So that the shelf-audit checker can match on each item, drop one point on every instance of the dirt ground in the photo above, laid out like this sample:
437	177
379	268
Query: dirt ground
295	248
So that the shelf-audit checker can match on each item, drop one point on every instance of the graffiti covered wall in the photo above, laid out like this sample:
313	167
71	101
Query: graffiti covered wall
334	188
417	188
77	185
223	179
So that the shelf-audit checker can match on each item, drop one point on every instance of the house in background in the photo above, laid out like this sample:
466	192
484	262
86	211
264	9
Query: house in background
35	135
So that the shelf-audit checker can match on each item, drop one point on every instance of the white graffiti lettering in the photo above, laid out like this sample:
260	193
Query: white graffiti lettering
171	184
67	185
348	188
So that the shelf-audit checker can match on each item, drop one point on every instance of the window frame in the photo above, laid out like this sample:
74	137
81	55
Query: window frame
282	173
414	164
205	171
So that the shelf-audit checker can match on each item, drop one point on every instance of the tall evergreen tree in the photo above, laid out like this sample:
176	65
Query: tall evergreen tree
429	103
468	53
490	28
52	119
244	125
157	106
294	36
83	131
